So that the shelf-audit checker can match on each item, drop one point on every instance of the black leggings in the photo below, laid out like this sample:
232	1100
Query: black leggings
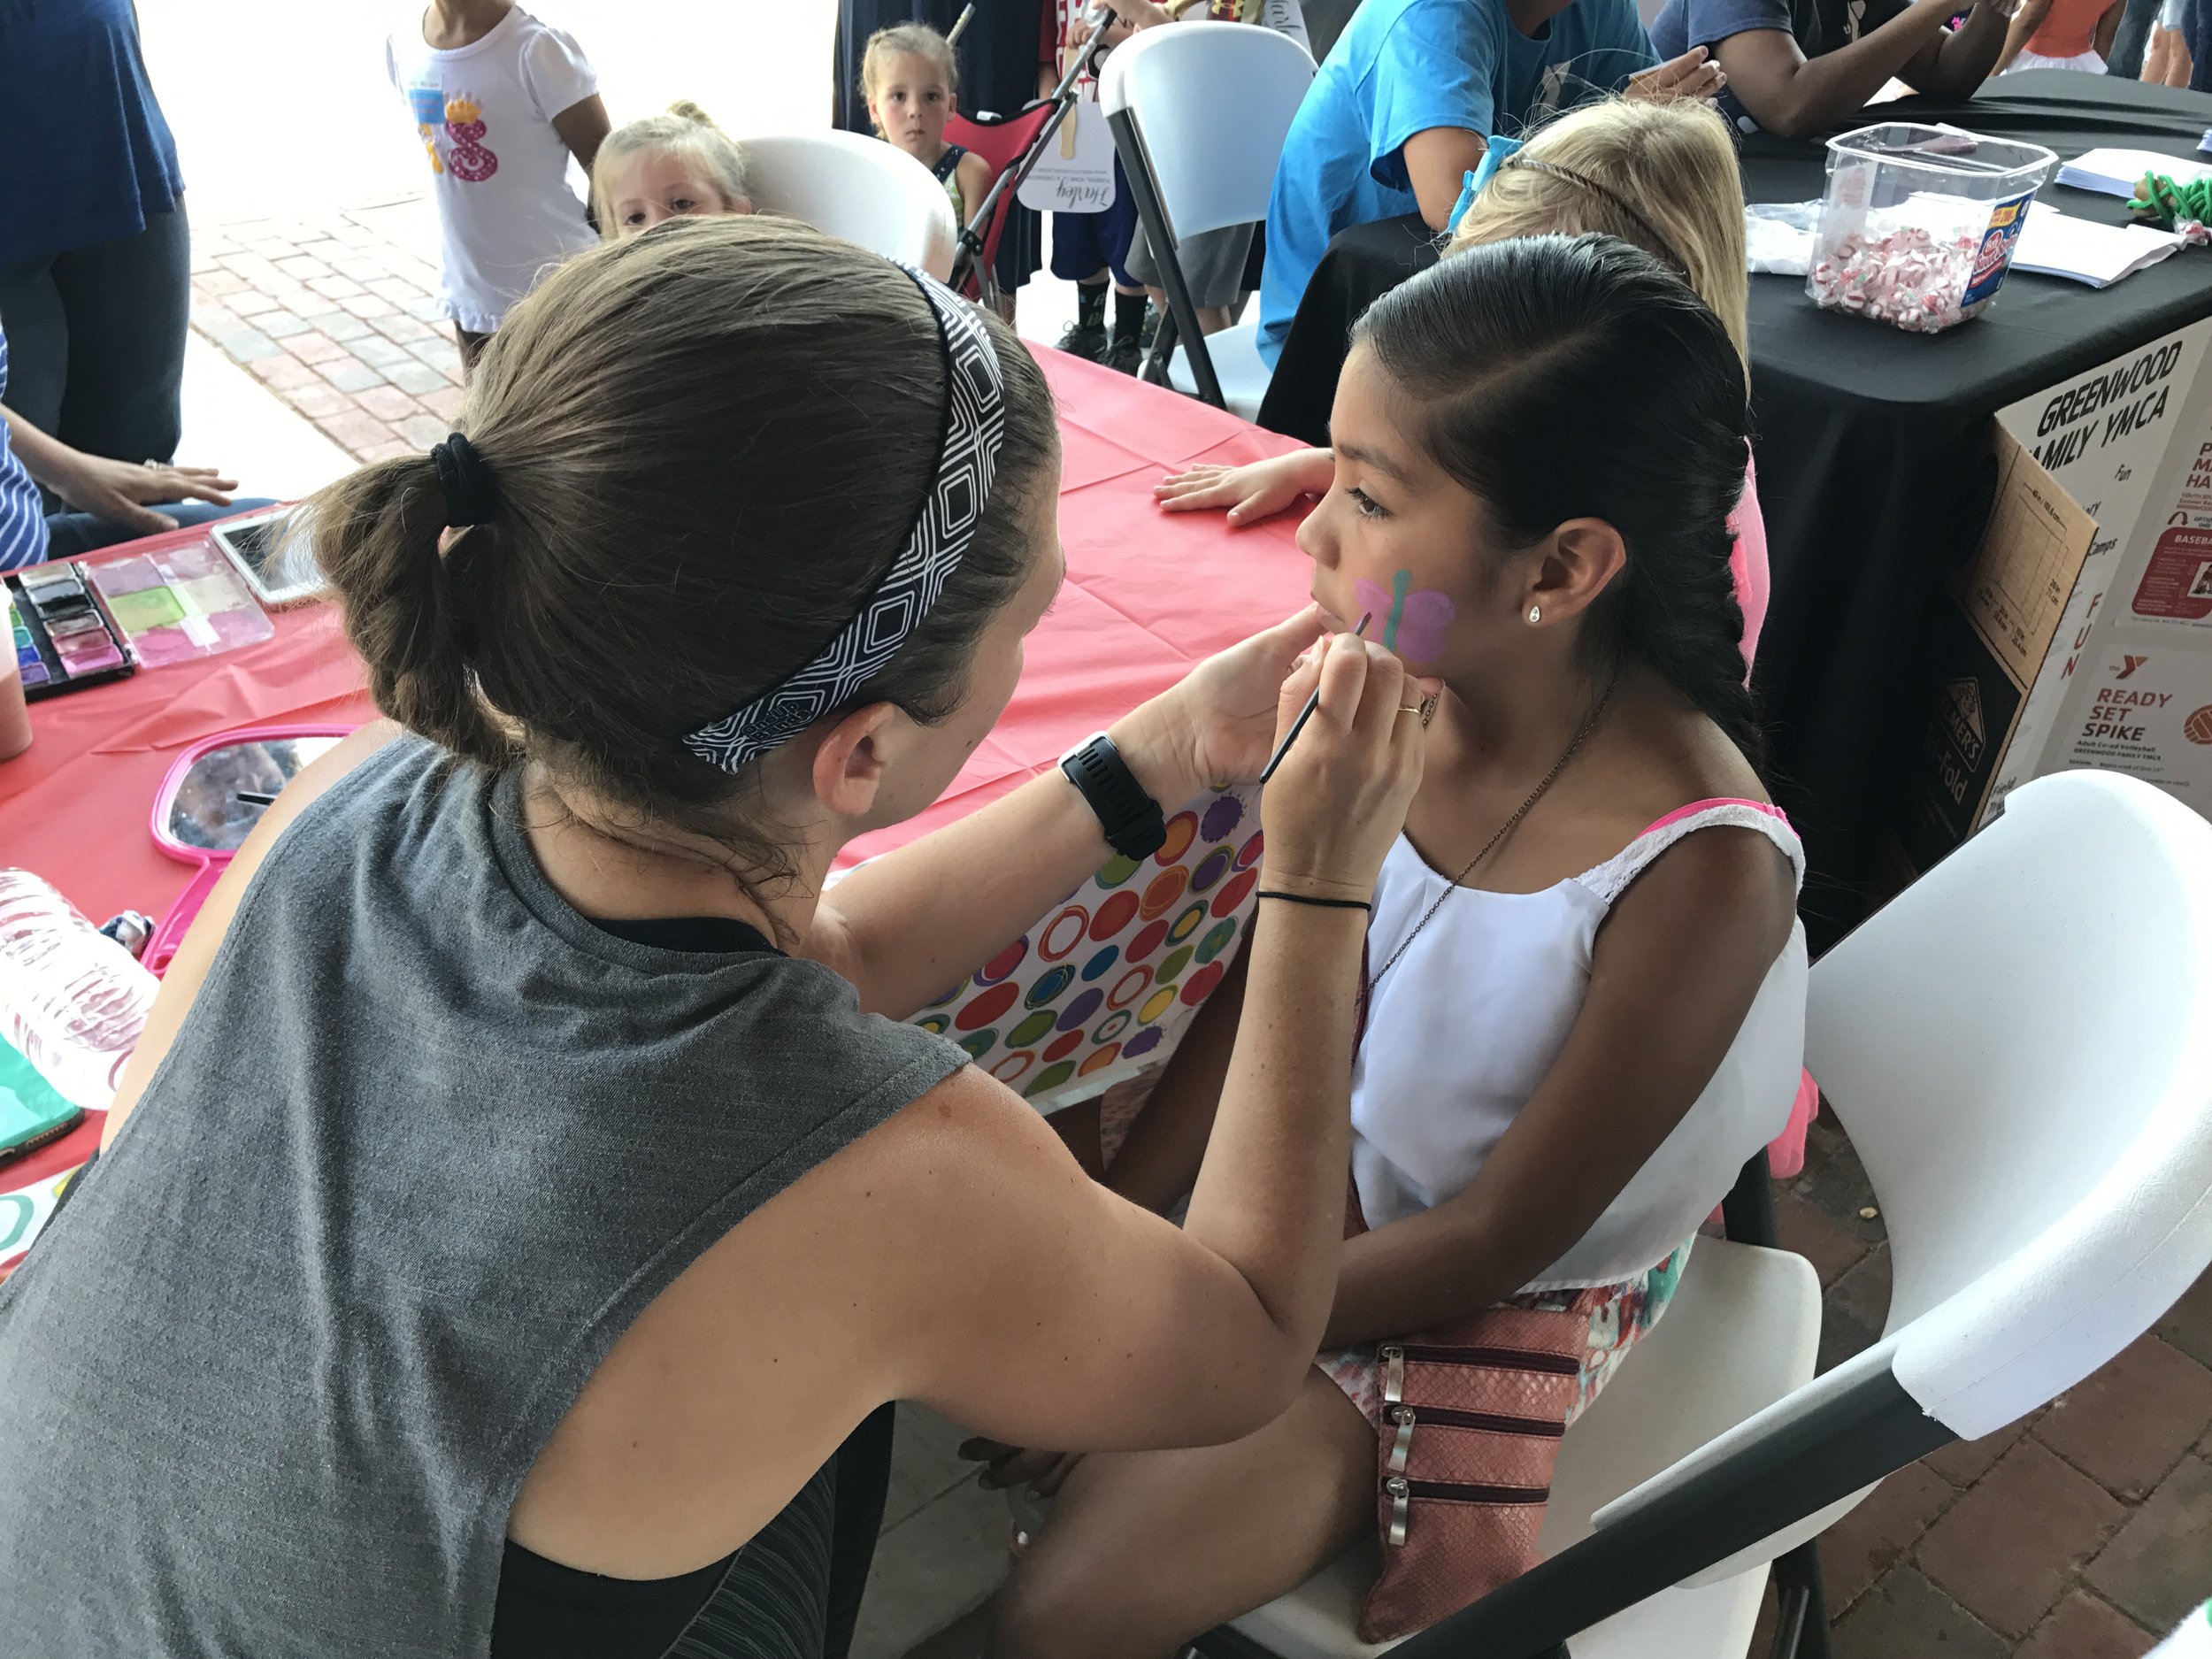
96	340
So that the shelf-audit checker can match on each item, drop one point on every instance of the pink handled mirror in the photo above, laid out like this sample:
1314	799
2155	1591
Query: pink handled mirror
209	802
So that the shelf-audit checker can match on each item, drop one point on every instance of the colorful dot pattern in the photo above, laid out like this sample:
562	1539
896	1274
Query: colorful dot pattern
1114	972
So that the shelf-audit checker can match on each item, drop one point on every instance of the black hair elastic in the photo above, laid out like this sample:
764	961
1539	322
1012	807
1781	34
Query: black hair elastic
469	496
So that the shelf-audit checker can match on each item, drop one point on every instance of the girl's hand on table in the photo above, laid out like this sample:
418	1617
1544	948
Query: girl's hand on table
1250	492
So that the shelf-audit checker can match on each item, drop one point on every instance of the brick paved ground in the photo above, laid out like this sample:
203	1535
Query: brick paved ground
2080	1534
339	321
2083	1532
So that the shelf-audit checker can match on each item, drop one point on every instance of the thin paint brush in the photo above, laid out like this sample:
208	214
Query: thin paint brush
1305	714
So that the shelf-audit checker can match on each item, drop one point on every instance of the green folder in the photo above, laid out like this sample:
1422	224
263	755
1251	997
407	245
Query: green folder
31	1110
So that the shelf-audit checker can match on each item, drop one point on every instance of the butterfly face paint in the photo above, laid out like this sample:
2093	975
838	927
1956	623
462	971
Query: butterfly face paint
1414	618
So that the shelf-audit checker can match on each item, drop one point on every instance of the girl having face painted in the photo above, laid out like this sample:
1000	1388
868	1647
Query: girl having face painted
1660	176
1584	977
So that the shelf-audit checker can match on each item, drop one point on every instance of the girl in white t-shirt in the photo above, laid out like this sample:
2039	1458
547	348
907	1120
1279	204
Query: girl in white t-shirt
501	102
1585	981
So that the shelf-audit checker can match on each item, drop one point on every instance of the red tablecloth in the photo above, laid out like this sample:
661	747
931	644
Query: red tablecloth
1148	594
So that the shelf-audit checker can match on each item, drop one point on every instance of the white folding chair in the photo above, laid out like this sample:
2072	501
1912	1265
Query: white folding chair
1199	113
2045	1172
860	188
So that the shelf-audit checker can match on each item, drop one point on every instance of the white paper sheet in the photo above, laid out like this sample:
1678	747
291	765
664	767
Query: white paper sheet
2058	244
2114	172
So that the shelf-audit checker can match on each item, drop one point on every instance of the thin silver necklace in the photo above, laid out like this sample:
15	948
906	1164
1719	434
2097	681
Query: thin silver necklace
1581	737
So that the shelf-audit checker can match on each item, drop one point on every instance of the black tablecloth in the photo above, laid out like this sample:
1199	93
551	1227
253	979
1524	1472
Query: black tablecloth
1870	444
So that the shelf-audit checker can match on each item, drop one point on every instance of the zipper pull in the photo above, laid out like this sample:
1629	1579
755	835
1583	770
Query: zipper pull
1394	1359
1403	1446
1401	1492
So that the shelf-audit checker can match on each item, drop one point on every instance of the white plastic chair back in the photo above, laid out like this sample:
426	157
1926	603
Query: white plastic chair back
860	188
1213	102
2021	1050
2020	1047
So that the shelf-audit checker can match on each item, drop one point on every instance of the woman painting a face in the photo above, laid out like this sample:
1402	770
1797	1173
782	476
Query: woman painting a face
519	1186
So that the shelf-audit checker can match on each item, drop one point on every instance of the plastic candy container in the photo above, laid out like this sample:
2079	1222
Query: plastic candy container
1919	223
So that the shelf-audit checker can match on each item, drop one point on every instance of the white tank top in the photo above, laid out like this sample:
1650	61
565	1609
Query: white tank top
1463	1028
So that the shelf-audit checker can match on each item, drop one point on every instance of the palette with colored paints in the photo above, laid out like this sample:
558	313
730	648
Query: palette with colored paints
63	637
179	603
1104	986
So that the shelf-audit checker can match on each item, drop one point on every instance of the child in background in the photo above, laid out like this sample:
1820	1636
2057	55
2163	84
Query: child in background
2061	34
501	102
910	80
1213	262
666	167
1091	249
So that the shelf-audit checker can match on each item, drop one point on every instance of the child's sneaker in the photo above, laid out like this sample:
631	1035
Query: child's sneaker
1124	356
1085	340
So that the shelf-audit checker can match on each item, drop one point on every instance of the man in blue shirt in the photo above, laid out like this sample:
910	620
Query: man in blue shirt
1799	68
1398	115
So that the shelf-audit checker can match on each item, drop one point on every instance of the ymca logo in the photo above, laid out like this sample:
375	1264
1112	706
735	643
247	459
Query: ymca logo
2127	665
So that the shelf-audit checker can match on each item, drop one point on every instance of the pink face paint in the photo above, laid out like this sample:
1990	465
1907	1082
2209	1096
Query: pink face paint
1414	618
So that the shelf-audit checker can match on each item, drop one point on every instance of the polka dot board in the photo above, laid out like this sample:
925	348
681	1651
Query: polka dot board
1102	984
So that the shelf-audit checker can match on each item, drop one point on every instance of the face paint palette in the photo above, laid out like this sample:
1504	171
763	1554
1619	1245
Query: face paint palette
179	603
63	637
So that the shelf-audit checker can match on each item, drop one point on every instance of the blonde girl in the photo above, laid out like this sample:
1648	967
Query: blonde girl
911	82
1662	176
667	167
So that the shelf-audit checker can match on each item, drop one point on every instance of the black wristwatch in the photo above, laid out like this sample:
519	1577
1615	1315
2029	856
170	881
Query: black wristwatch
1134	826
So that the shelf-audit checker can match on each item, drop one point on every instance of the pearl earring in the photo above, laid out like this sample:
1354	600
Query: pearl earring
1535	615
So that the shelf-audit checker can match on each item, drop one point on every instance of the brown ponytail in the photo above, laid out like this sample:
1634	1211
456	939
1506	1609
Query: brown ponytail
705	445
377	535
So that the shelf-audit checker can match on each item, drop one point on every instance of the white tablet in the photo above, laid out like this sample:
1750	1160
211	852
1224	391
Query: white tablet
271	552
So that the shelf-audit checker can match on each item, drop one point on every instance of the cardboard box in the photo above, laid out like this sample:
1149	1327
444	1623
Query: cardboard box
1997	638
2081	630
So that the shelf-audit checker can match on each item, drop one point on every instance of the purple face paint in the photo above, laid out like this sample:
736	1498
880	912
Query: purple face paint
1415	617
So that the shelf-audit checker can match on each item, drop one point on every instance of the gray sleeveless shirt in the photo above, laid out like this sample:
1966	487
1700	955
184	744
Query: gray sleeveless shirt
426	1146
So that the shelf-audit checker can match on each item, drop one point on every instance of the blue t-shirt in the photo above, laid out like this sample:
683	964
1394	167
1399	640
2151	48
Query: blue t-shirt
1402	67
22	515
1820	26
85	155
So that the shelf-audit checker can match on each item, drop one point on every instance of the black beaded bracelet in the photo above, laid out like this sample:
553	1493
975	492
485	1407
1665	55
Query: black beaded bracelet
1307	898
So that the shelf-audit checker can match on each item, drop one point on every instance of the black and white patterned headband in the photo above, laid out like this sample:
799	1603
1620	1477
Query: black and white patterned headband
974	425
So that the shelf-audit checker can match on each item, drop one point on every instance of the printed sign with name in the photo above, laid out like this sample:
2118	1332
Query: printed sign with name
1076	172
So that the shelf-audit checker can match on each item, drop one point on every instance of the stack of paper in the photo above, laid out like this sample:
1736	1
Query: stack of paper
2116	171
2057	244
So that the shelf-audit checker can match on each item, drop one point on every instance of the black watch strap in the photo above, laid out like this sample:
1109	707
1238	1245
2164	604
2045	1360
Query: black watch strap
1134	826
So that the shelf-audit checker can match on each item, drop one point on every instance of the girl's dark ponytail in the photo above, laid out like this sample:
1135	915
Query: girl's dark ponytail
1576	377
